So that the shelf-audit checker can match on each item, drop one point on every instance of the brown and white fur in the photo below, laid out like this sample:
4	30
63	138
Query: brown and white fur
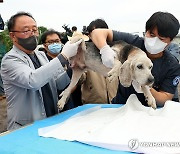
131	63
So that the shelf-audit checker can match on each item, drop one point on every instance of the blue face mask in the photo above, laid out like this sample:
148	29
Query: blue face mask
55	48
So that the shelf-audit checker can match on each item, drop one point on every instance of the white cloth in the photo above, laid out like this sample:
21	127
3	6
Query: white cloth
129	128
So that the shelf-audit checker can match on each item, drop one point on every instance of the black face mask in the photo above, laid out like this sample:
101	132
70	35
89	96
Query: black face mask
29	43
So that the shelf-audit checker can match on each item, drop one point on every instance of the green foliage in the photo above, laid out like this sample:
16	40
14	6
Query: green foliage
4	37
42	29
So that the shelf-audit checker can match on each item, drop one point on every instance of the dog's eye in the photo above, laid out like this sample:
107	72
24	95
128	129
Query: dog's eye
150	67
140	66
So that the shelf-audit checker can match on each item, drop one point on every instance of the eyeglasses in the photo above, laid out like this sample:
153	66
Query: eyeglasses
27	32
53	41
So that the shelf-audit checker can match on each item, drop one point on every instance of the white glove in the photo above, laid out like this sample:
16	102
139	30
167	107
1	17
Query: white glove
70	49
107	56
137	86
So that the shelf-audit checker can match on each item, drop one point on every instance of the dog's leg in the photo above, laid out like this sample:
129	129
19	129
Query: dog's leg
66	93
114	72
150	99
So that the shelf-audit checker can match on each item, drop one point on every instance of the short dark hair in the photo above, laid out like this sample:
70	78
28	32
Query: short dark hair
44	35
97	23
167	25
13	18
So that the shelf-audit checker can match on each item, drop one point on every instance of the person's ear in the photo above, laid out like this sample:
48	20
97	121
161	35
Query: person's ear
12	36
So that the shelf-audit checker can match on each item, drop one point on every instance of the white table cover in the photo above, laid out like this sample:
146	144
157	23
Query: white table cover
132	127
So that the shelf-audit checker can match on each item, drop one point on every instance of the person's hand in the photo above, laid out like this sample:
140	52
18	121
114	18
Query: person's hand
70	49
107	56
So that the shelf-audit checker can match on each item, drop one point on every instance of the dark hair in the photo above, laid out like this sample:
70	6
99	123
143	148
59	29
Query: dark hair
98	23
13	18
167	25
46	33
74	28
1	23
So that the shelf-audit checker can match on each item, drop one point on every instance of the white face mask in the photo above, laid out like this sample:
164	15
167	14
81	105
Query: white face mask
154	45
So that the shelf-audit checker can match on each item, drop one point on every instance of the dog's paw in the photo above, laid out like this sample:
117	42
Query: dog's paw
62	93
114	72
60	104
112	75
151	102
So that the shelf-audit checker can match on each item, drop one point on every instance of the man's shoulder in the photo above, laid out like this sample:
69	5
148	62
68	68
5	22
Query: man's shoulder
169	57
9	53
169	64
12	53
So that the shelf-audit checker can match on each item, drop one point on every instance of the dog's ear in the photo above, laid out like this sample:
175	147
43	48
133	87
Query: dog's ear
75	38
82	45
125	75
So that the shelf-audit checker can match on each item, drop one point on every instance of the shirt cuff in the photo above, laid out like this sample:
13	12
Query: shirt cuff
63	60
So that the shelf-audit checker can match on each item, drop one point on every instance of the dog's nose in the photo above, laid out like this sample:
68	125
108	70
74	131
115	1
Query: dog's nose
150	80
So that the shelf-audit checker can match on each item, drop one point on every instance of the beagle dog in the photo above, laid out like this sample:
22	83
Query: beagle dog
131	65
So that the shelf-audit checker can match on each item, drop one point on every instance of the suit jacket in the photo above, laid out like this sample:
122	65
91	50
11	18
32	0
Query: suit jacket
22	85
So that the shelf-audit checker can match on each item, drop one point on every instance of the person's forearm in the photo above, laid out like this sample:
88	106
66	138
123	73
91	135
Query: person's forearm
161	97
100	36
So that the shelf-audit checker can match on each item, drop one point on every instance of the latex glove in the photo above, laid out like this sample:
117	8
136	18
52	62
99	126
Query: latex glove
137	87
107	56
70	49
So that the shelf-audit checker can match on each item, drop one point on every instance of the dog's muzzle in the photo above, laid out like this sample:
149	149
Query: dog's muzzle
150	81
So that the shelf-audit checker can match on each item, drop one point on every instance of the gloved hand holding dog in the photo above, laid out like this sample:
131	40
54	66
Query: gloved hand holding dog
107	56
70	49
